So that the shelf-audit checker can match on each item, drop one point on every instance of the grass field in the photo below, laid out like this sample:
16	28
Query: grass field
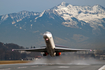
13	62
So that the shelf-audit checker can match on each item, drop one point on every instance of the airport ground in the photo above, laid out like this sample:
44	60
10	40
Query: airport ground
51	64
30	66
13	61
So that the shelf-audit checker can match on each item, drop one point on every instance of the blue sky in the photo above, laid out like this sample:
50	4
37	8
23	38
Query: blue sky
14	6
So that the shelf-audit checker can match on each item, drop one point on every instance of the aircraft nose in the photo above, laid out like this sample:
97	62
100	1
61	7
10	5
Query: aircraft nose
47	35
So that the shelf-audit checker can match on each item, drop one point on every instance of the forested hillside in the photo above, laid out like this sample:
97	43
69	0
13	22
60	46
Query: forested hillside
6	52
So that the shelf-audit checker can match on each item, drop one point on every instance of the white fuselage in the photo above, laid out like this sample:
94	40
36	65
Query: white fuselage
49	43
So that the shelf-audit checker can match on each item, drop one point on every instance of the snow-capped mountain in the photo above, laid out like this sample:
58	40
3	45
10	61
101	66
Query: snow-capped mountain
91	15
70	24
16	17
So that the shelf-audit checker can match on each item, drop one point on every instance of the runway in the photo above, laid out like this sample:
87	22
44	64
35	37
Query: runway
57	64
52	66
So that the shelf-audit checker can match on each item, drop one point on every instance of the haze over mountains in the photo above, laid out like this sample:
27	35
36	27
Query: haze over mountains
72	26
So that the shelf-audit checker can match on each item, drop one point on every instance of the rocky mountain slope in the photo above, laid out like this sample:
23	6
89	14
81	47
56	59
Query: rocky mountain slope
74	26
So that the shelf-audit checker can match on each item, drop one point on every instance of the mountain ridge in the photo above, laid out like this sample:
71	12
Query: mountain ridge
64	13
77	26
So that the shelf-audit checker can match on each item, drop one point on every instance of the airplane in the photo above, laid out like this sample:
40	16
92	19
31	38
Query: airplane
50	48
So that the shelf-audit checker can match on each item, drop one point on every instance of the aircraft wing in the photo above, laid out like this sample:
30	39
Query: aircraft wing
32	50
58	49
